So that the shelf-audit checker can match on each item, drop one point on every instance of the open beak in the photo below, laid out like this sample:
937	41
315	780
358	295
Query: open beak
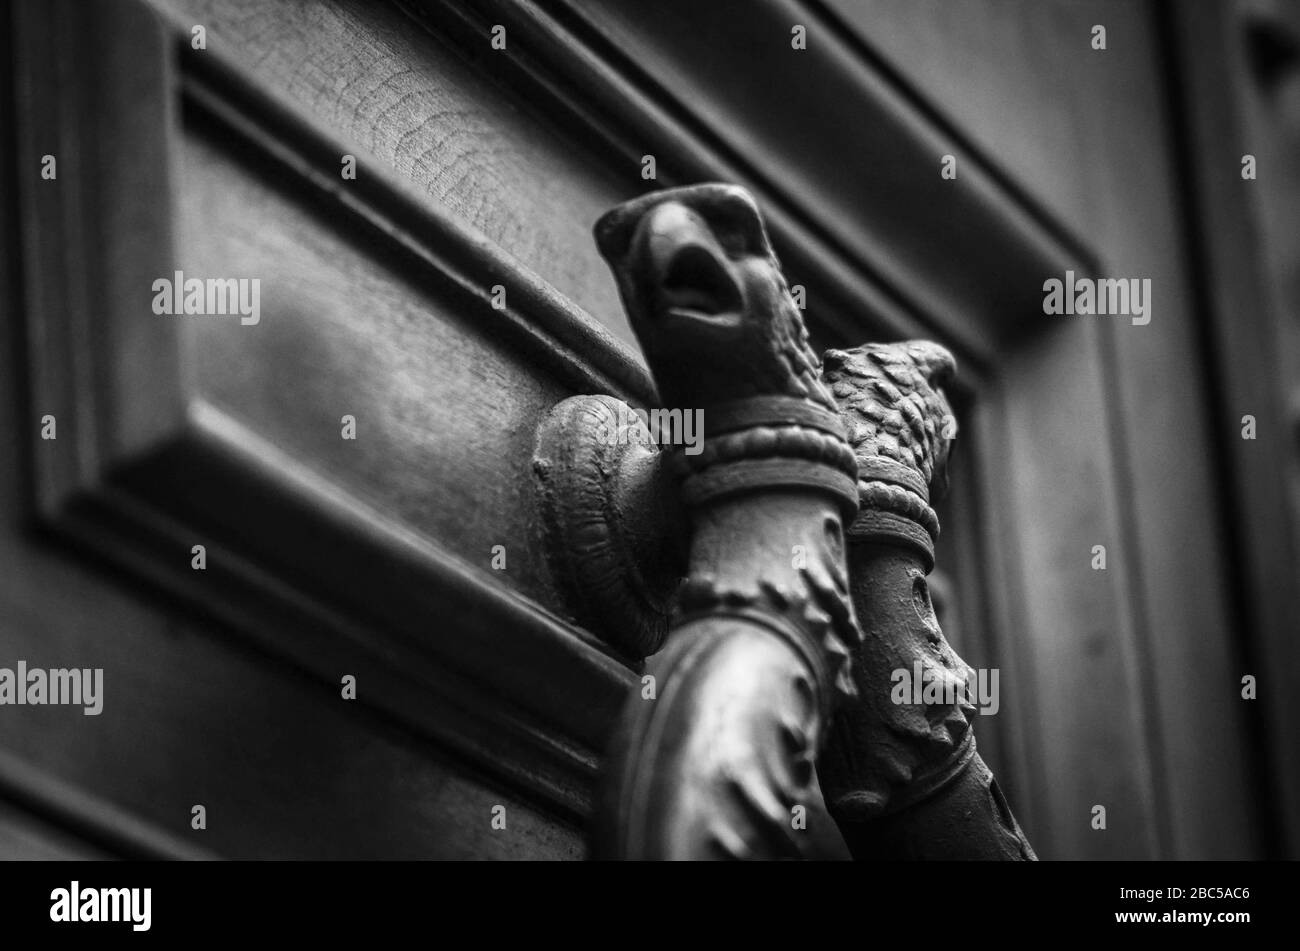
691	275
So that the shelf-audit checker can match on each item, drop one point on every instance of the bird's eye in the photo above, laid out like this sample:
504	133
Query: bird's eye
734	221
733	241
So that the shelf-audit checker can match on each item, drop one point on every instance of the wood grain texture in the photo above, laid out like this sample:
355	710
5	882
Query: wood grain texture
845	160
140	470
376	80
1088	433
445	412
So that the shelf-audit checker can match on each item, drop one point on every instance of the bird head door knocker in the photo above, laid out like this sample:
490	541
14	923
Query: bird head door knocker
775	576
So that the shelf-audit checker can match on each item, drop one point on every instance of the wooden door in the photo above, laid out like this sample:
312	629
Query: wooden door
375	658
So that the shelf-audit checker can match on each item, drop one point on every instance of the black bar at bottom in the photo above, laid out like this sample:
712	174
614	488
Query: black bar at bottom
337	900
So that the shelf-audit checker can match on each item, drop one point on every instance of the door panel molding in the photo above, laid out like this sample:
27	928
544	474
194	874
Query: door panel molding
145	467
854	219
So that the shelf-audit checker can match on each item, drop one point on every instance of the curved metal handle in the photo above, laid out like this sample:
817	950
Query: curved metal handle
720	763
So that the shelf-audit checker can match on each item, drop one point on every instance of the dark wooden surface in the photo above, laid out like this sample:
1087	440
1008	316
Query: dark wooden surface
478	167
1108	443
1246	254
